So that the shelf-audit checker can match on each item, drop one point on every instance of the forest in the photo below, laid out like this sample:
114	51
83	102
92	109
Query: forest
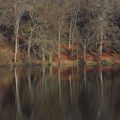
59	31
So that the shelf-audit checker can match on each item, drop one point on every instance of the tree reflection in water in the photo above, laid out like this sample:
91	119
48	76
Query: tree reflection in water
49	93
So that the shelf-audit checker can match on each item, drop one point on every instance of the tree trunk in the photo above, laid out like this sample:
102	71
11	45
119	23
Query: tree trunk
101	39
43	49
29	47
16	40
70	34
16	32
84	53
43	54
51	54
101	44
59	38
77	55
77	52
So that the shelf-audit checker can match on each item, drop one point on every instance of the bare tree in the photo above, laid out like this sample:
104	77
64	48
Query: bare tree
19	8
18	14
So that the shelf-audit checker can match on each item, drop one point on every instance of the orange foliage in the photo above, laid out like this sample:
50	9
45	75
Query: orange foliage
106	57
72	47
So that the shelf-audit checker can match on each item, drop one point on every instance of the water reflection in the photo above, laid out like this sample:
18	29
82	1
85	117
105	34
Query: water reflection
51	93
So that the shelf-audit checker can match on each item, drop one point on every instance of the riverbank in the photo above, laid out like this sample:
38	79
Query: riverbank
7	58
65	63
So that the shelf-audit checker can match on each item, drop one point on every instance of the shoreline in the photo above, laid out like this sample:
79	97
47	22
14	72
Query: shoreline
64	63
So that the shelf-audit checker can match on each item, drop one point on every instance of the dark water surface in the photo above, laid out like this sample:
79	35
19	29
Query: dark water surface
46	93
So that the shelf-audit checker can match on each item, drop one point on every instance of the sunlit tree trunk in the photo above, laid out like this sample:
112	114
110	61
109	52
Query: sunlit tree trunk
84	53
59	39
16	27
44	48
59	36
29	47
101	38
70	34
73	32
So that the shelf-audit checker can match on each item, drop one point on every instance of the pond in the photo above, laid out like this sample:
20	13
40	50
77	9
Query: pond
66	93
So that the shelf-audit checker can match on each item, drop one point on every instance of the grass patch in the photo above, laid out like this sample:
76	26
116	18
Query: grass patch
92	63
105	62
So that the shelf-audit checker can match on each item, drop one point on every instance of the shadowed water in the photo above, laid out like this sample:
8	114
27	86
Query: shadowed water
46	93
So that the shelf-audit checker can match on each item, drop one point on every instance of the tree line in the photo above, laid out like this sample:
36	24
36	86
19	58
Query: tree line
40	26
